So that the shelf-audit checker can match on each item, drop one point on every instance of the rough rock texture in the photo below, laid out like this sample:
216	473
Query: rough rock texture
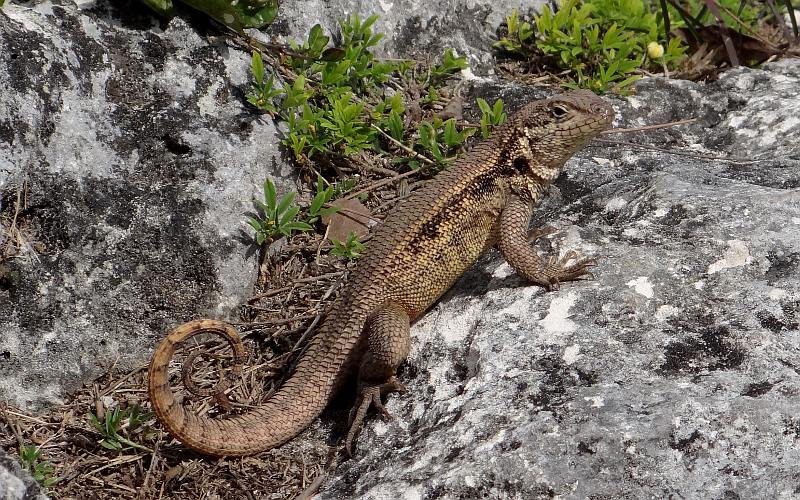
418	29
674	373
16	484
138	161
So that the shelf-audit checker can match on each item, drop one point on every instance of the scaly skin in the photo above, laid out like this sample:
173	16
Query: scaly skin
483	200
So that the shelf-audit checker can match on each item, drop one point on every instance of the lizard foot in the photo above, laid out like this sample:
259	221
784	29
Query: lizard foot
560	270
369	395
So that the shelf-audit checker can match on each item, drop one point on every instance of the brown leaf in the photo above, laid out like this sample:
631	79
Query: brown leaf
352	217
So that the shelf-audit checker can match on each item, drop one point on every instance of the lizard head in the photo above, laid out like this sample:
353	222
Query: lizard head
552	130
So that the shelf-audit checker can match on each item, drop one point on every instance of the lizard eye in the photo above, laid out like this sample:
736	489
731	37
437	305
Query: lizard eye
559	111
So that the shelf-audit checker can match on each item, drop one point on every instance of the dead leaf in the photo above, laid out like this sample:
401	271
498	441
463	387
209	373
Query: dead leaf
352	217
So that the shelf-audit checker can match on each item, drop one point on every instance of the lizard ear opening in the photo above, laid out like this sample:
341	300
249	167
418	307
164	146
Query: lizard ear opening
520	164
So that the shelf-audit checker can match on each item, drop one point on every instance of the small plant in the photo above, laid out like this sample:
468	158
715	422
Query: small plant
115	423
277	218
519	32
263	91
602	42
491	116
450	64
317	208
237	15
350	249
439	140
343	186
41	470
338	104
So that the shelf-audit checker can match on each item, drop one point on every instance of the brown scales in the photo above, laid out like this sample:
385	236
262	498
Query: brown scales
483	200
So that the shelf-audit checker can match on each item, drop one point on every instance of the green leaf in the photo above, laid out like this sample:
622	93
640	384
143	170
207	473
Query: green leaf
451	136
497	111
318	201
270	196
288	216
111	445
287	200
257	67
484	106
162	7
238	15
395	124
297	226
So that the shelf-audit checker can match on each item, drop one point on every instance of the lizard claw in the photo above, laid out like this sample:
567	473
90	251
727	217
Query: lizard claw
561	270
369	395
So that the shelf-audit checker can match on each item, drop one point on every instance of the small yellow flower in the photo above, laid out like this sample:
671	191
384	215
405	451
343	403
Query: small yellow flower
655	50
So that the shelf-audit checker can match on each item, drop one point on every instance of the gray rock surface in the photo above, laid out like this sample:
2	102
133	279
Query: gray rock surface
139	161
418	29
674	373
16	484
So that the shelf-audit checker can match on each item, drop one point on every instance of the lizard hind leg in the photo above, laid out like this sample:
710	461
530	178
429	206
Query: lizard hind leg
388	342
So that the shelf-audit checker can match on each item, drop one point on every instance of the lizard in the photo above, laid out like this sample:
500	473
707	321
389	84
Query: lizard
484	199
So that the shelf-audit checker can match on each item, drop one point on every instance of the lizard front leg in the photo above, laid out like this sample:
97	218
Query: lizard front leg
514	245
388	342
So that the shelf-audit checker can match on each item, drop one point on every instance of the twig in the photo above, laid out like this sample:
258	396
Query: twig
278	322
310	279
312	488
732	159
313	324
383	182
153	462
404	147
116	461
648	127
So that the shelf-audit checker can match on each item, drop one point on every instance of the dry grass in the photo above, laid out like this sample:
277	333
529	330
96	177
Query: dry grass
16	234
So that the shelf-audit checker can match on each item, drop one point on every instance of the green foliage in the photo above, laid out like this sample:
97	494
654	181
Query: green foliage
342	187
276	218
345	124
519	32
350	249
450	64
263	91
41	470
491	116
323	195
117	425
340	99
439	140
604	42
237	15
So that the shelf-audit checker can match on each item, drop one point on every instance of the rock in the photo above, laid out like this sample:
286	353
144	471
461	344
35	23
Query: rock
413	29
139	161
16	484
673	373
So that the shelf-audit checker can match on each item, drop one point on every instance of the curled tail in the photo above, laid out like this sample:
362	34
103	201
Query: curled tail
287	413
